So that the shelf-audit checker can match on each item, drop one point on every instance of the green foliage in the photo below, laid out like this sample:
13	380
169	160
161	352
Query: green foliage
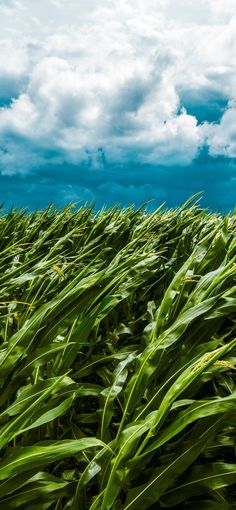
117	359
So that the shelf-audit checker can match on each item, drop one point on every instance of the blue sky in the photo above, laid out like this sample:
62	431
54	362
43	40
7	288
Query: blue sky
117	102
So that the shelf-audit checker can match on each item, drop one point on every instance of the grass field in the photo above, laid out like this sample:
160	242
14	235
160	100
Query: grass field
117	359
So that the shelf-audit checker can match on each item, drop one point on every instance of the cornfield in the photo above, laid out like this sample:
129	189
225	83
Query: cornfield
117	359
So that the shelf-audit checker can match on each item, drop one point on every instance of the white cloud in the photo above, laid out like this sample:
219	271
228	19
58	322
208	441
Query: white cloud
108	74
13	69
17	157
222	137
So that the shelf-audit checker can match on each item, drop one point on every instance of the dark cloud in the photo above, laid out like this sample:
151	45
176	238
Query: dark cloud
205	104
128	184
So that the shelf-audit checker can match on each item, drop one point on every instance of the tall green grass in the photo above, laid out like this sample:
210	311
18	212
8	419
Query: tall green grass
117	359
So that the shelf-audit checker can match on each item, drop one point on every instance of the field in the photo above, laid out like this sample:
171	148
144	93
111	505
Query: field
117	359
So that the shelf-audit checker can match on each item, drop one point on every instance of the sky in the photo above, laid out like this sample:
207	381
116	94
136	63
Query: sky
117	102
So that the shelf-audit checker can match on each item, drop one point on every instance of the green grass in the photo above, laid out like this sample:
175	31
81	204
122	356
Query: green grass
117	359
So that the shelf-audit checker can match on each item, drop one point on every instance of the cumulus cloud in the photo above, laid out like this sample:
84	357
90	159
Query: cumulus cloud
111	82
13	71
222	137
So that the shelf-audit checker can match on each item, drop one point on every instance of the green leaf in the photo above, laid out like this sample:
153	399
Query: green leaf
38	456
119	378
201	479
162	477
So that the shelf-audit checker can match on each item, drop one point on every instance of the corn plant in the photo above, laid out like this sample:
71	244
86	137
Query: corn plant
117	359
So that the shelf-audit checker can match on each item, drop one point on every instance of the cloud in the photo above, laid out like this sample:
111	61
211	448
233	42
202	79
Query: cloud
101	84
131	111
221	137
130	185
13	71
